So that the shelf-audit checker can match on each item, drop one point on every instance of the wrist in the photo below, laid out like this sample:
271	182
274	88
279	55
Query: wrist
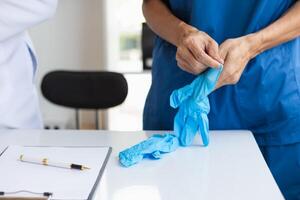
255	44
183	31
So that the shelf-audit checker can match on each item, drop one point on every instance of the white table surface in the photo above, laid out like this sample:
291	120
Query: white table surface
232	167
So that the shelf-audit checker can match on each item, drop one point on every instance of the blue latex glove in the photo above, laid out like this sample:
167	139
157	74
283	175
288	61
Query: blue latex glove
194	107
151	148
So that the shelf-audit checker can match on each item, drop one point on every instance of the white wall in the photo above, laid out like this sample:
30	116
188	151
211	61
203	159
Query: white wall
73	40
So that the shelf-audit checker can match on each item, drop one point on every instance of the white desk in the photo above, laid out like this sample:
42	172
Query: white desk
230	168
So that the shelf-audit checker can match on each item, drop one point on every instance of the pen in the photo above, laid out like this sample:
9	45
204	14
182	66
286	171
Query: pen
47	162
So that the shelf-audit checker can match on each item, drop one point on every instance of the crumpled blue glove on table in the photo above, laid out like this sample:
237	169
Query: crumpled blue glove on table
194	107
191	117
151	148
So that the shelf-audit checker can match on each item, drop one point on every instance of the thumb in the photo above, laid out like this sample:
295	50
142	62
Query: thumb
213	51
180	95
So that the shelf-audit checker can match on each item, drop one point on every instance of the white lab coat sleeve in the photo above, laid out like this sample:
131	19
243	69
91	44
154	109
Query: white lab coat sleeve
16	16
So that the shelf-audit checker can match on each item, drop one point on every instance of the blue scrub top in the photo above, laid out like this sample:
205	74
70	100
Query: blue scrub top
266	100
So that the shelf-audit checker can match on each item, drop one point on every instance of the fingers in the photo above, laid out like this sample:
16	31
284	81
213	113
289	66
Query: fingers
236	58
209	61
179	121
197	51
204	129
223	79
229	76
213	51
188	132
200	55
187	62
232	72
224	74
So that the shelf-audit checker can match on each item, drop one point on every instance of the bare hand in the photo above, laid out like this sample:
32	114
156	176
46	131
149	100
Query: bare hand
236	54
197	51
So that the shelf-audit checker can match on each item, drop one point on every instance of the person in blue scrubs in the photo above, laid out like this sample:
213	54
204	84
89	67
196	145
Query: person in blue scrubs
258	44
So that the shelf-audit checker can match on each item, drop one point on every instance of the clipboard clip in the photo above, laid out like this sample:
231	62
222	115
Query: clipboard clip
36	195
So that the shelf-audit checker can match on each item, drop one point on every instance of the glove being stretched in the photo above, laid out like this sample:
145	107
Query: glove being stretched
194	107
191	117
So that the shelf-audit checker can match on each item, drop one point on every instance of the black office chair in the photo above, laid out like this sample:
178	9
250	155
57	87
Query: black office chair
85	90
148	37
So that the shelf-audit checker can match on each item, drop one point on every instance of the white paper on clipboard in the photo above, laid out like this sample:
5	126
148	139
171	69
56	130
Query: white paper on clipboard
62	183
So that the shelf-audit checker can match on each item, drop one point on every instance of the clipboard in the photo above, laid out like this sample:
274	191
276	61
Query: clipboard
30	192
23	198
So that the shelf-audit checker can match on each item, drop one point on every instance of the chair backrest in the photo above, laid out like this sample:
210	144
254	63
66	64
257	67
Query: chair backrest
85	90
148	37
